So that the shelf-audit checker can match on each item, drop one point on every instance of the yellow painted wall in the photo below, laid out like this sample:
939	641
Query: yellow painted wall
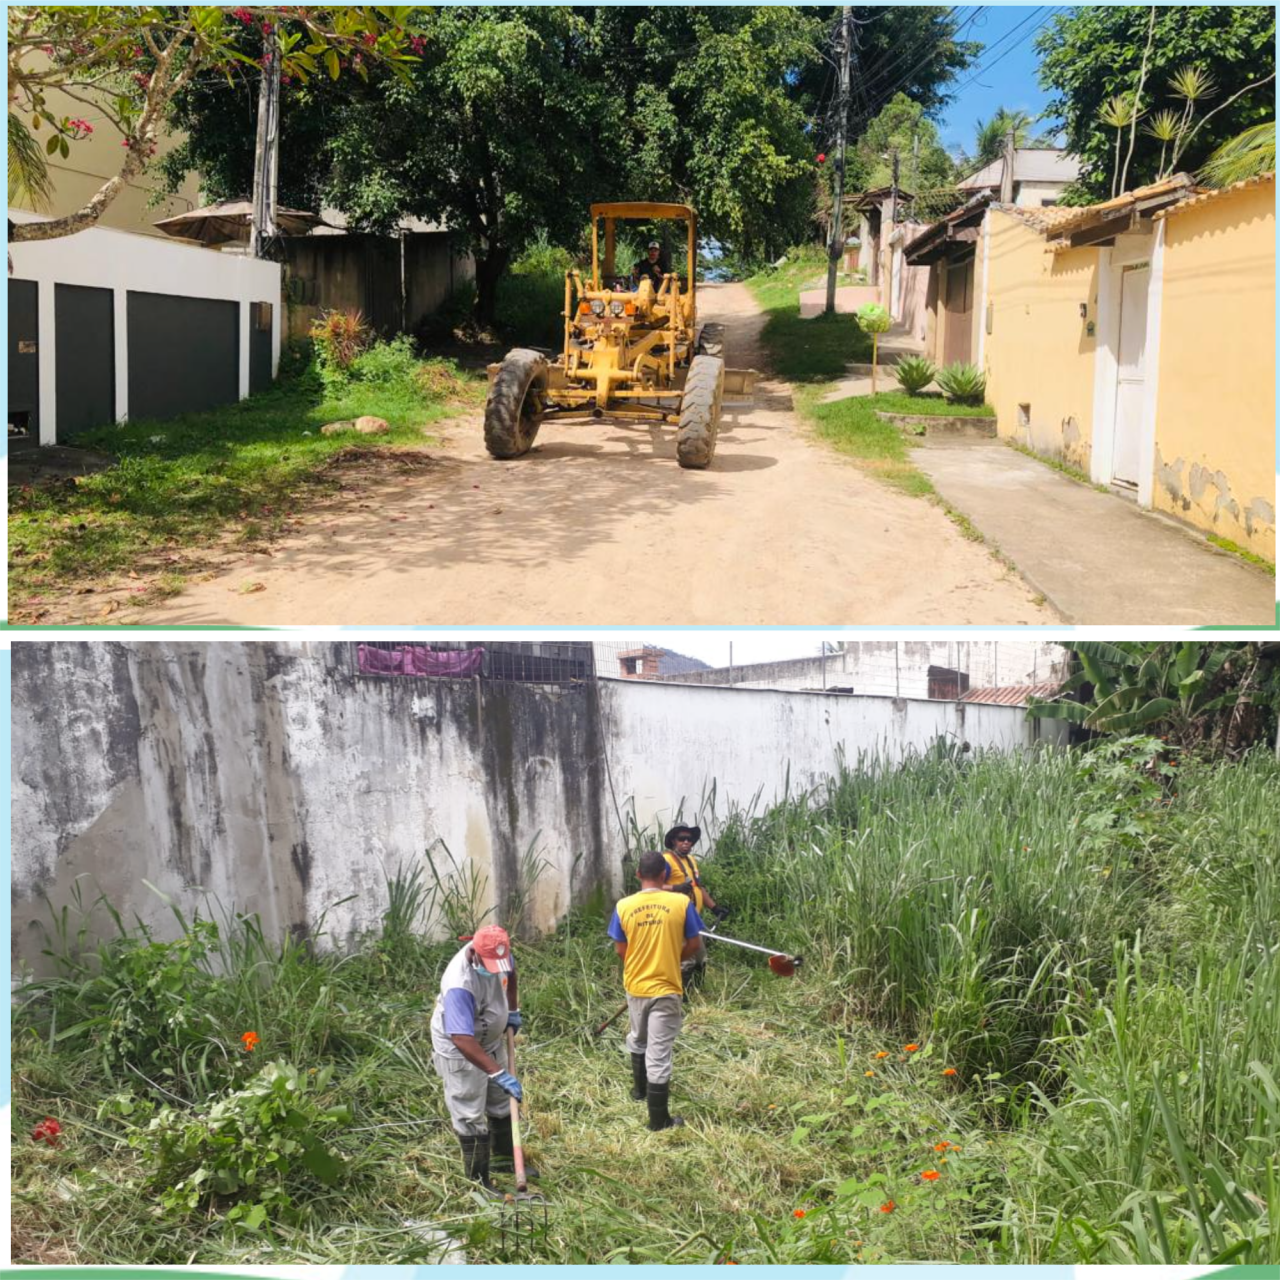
98	157
1216	403
1038	352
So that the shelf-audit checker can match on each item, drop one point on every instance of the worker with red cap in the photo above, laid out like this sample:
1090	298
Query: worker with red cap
476	1005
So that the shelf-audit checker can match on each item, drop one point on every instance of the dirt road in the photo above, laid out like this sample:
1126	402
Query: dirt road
600	526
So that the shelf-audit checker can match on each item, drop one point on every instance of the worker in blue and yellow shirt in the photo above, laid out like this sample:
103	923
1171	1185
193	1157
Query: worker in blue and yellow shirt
685	877
653	931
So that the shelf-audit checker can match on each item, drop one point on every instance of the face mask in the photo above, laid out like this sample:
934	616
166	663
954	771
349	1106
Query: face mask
480	969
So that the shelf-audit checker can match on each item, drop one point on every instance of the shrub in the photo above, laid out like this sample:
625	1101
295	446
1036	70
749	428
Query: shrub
388	363
339	337
963	383
915	373
256	1146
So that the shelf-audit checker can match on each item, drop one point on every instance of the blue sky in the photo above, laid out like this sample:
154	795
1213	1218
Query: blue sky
1005	70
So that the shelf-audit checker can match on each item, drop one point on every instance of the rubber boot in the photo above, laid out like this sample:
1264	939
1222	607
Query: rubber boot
503	1148
659	1117
639	1078
475	1162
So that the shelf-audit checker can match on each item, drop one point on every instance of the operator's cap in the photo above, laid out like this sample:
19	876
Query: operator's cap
493	946
670	840
653	244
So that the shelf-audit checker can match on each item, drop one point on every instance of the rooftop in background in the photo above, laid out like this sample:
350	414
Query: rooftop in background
1030	164
1011	695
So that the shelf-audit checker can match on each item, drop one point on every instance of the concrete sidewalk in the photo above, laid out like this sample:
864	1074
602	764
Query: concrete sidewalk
1095	557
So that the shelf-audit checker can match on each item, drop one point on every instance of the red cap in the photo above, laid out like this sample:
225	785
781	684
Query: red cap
494	948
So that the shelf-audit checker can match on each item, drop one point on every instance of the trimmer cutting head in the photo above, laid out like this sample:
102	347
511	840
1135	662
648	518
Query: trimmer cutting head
785	966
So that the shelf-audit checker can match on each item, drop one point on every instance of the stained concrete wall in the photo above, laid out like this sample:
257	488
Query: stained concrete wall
272	778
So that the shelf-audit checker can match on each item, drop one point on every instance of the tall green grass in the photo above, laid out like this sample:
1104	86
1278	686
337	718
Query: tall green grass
1089	946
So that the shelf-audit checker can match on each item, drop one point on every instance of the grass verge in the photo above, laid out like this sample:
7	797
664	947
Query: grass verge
248	468
1258	562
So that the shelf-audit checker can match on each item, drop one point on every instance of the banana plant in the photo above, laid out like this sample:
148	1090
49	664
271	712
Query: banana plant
1139	685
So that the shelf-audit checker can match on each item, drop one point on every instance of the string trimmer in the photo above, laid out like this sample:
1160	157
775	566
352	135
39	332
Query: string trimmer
781	963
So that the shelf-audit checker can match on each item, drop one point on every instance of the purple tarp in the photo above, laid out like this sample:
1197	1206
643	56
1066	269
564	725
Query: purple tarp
419	660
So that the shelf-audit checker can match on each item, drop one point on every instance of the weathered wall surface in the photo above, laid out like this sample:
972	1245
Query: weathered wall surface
1216	406
271	778
1038	352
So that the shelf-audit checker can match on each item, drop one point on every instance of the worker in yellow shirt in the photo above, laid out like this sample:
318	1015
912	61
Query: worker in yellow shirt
685	877
653	931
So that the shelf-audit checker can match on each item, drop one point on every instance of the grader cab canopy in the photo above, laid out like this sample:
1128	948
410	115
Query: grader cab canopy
630	351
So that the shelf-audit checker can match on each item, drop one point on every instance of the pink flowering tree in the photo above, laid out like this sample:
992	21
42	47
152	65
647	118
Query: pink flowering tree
125	63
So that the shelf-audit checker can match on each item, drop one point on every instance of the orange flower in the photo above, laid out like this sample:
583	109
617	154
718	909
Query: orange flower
942	1146
249	1040
931	1175
888	1207
797	1213
950	1071
868	1073
910	1048
884	1053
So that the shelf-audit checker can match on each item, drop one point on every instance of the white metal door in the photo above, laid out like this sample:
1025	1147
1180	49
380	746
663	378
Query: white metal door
1130	364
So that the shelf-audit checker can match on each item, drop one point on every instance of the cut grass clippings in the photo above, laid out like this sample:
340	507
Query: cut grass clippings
1085	939
183	484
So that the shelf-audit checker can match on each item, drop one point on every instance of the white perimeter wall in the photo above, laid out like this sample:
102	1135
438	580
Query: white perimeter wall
122	261
272	777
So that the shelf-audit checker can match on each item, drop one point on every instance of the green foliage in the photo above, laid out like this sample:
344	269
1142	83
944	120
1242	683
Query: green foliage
901	126
123	65
183	482
914	373
252	1149
1204	696
1249	154
338	337
873	318
964	383
530	306
1106	998
1092	54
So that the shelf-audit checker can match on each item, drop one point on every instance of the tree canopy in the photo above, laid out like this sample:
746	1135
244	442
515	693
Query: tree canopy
511	119
1092	59
923	163
125	64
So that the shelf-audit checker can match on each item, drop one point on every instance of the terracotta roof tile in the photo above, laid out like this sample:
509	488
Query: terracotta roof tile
1201	196
1011	695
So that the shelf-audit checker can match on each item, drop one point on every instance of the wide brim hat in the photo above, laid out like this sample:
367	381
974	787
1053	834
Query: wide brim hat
670	841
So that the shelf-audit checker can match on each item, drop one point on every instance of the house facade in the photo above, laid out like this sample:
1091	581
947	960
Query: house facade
1040	176
1133	339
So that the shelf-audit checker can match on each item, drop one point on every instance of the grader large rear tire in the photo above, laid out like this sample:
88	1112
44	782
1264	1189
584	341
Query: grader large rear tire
700	413
711	339
517	398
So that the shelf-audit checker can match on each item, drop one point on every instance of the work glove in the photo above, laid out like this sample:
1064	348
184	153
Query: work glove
505	1080
514	1020
720	913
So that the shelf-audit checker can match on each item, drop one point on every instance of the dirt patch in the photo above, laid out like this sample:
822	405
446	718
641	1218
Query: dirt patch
599	525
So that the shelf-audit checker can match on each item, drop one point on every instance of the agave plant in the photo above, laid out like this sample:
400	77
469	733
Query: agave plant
962	383
875	320
914	373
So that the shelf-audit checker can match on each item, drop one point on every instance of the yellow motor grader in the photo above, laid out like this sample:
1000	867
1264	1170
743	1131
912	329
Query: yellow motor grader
629	353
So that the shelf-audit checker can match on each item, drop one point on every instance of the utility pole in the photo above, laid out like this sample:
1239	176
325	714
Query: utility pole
893	195
266	154
1006	178
836	249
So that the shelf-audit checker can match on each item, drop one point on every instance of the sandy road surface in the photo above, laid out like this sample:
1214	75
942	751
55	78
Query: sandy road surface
599	525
